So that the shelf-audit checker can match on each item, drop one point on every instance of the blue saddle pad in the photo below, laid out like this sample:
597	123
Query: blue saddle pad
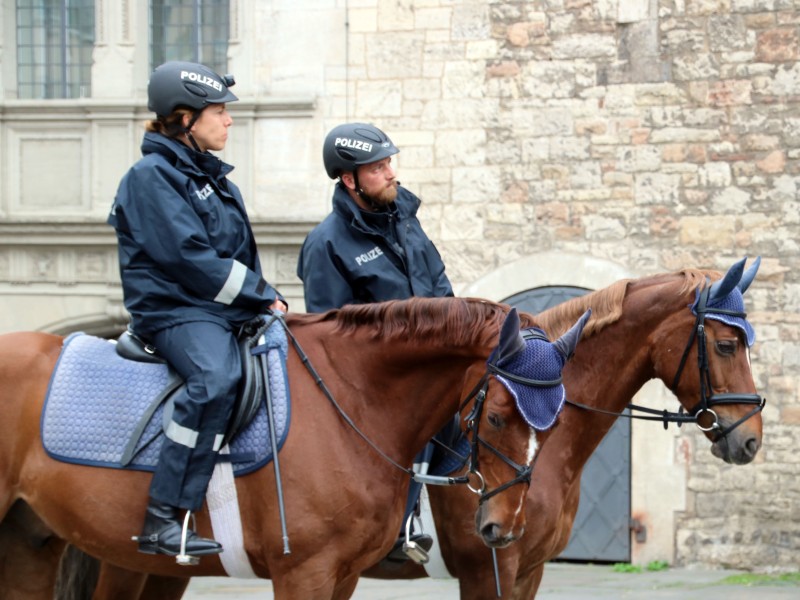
96	399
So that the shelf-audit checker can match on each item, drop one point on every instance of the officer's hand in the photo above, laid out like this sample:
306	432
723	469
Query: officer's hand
279	305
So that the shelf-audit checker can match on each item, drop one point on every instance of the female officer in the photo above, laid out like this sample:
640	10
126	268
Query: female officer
190	278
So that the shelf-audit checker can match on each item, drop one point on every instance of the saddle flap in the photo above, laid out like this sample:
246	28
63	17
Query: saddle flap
251	390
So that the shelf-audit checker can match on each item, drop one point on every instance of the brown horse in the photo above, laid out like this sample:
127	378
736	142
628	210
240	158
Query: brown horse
640	330
389	377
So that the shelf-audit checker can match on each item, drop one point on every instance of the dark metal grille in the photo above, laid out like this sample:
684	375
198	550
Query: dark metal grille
55	39
193	30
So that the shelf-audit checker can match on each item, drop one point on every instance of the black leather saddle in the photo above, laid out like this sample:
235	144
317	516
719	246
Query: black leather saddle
251	386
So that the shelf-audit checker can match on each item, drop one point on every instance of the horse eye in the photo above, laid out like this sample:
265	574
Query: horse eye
495	420
726	347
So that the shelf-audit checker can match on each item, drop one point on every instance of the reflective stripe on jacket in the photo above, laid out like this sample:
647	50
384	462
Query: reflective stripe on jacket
186	247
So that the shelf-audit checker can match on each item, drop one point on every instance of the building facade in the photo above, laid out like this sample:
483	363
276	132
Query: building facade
553	142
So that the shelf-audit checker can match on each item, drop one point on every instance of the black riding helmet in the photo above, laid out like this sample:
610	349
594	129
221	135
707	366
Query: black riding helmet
195	86
352	144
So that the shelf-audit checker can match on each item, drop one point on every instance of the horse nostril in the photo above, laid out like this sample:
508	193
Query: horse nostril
490	532
751	447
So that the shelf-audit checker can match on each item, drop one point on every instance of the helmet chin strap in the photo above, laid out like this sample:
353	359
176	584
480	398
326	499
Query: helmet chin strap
188	129
375	206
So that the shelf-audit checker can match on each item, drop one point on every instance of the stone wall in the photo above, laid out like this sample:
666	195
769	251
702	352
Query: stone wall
653	134
638	135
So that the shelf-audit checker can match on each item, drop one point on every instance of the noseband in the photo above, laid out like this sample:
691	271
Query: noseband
707	397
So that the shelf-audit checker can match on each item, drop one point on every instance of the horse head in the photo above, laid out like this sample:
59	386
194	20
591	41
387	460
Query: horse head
523	379
713	379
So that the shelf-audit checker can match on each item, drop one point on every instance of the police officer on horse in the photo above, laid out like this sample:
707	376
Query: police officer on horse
191	278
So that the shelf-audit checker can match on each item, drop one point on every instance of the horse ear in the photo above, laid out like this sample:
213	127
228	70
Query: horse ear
511	340
749	275
566	343
723	287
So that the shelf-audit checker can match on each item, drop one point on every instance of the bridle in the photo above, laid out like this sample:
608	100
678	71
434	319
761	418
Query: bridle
707	401
473	419
522	473
478	393
708	398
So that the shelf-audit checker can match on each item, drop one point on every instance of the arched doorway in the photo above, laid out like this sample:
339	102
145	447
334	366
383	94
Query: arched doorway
601	528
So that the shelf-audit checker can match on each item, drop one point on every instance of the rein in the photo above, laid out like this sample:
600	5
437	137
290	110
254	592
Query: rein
703	407
523	473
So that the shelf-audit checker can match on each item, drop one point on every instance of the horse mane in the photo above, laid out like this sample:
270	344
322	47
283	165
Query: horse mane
606	303
452	321
463	321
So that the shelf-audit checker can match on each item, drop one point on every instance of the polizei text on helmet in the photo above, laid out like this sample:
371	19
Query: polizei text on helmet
204	79
353	144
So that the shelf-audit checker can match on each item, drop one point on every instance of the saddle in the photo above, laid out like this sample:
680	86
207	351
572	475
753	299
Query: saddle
251	386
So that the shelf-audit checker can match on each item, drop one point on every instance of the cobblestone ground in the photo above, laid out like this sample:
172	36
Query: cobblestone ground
561	582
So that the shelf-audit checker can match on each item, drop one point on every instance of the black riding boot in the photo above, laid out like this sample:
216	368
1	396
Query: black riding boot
162	531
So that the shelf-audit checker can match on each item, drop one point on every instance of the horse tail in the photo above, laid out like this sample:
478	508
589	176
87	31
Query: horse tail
77	575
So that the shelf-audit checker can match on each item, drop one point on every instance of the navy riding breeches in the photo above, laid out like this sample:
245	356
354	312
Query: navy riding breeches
206	356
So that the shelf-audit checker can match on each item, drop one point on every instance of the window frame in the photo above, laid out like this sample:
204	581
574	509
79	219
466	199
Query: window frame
54	46
206	37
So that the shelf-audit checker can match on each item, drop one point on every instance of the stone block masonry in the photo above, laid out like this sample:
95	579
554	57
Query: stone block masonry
655	133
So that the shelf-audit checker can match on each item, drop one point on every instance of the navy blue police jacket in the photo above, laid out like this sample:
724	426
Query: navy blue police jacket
356	257
186	247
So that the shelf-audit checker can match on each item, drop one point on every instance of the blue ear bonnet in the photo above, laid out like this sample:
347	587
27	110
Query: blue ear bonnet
539	360
734	301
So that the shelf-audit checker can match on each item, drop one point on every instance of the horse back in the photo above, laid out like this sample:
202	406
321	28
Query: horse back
24	355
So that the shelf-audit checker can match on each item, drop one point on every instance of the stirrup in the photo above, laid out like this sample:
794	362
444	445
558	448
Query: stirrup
183	559
411	549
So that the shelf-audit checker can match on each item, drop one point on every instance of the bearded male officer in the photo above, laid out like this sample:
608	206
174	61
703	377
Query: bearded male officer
371	247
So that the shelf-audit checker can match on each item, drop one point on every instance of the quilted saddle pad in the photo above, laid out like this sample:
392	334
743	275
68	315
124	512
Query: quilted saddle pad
96	399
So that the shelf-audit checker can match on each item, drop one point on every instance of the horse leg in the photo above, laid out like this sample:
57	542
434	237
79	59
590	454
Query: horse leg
528	582
82	577
477	580
345	588
116	583
159	587
29	556
315	580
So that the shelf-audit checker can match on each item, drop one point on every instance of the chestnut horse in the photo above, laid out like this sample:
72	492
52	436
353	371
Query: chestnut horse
385	379
640	329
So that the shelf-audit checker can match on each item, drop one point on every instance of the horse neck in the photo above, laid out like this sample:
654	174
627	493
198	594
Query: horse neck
606	372
399	393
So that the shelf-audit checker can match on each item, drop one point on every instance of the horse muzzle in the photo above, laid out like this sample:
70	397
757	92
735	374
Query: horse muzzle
737	447
493	533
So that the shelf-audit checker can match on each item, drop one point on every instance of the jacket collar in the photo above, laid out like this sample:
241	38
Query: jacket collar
203	163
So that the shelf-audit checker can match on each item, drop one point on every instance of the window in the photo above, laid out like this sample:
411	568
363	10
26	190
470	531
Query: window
193	30
54	48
